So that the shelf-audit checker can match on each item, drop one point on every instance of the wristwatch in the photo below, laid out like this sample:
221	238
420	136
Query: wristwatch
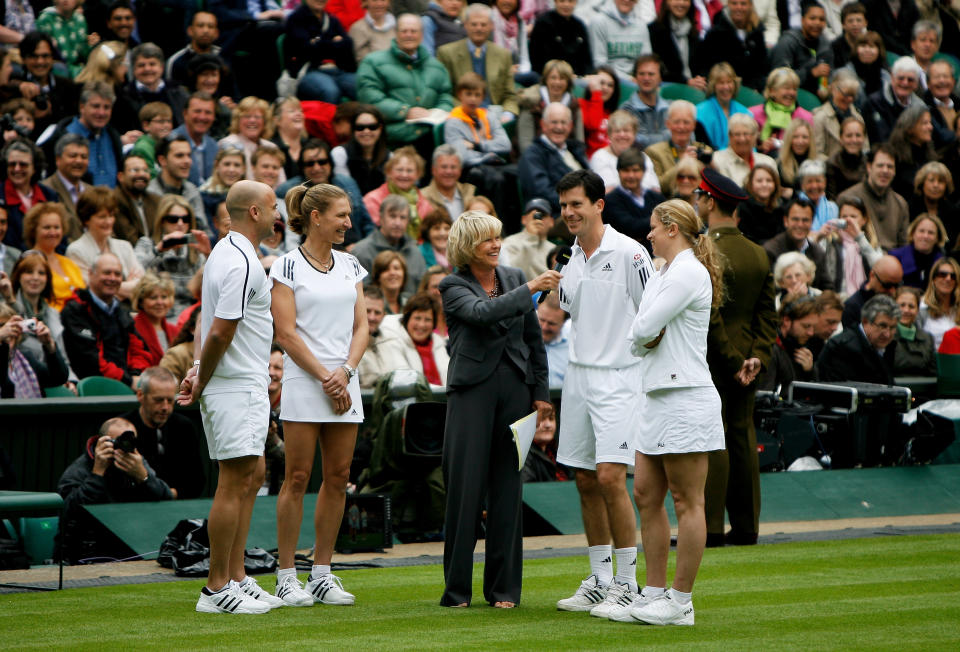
351	371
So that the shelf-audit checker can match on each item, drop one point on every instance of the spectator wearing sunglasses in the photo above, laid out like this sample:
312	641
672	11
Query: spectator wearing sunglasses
316	166
363	156
938	307
178	248
885	277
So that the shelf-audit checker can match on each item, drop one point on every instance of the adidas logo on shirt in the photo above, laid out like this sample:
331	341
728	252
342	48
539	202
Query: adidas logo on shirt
624	446
607	268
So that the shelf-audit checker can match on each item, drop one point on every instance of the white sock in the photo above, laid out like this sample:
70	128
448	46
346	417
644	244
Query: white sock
653	591
320	571
601	563
286	572
627	567
680	597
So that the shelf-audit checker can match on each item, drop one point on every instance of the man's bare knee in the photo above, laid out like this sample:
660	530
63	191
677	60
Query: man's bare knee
611	478
587	482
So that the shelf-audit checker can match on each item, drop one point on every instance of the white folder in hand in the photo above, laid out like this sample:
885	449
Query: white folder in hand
523	431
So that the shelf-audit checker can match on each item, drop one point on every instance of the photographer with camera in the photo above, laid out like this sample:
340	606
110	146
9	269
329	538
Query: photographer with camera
111	470
24	374
529	248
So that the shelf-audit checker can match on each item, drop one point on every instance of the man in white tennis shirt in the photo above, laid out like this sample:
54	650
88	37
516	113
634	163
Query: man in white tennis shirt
230	380
601	289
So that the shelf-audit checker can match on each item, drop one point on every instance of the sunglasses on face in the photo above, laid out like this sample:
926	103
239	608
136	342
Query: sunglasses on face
950	275
887	285
686	177
317	161
366	127
174	219
18	164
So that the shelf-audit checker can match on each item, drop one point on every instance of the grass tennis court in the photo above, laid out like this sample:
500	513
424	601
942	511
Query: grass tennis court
898	593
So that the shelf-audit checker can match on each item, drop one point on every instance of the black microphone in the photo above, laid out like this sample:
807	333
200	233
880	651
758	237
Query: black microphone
563	257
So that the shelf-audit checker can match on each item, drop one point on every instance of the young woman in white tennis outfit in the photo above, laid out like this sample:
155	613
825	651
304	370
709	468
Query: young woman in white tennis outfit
321	323
682	420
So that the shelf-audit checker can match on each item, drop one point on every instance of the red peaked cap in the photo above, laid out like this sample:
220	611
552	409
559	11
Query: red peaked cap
721	188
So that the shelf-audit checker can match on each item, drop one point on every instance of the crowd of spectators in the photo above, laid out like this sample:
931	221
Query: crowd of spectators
121	140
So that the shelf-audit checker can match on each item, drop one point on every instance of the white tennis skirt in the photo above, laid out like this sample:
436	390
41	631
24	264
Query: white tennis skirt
303	399
682	420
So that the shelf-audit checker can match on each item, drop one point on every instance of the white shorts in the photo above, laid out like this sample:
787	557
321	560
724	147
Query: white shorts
681	420
303	399
235	423
598	416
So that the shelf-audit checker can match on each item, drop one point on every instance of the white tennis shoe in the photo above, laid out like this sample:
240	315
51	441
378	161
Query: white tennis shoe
589	595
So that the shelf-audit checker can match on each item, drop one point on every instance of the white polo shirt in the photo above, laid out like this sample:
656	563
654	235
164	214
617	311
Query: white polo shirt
602	295
325	303
235	287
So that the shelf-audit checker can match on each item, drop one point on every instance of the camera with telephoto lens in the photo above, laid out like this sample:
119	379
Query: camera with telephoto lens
7	123
126	442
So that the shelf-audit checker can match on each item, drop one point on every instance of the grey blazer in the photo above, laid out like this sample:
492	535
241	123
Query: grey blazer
482	330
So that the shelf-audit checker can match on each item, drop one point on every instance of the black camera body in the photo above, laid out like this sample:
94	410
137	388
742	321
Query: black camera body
7	123
41	101
126	442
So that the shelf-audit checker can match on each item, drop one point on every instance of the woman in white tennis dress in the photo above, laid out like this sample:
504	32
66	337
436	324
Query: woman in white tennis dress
321	322
681	409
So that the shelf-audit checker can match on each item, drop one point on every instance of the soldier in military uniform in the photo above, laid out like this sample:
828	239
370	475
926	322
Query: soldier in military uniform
742	332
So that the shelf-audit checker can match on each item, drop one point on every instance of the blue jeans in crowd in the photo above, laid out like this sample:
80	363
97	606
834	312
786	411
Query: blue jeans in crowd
327	85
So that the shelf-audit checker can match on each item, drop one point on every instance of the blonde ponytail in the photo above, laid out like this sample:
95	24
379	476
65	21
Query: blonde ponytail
679	212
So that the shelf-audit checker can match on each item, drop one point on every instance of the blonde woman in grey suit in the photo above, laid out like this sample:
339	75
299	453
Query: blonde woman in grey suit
497	374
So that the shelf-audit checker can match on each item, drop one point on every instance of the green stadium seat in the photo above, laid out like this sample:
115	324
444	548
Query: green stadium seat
749	97
892	58
38	534
682	92
807	100
100	386
57	392
39	537
948	375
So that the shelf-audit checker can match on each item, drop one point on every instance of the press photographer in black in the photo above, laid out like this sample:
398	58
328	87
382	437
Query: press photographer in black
111	470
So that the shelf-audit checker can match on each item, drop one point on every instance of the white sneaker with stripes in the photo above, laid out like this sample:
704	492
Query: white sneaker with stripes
589	595
290	592
230	600
251	588
622	613
328	589
618	595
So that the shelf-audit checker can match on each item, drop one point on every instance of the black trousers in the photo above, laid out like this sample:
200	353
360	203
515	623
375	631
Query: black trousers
480	462
733	476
